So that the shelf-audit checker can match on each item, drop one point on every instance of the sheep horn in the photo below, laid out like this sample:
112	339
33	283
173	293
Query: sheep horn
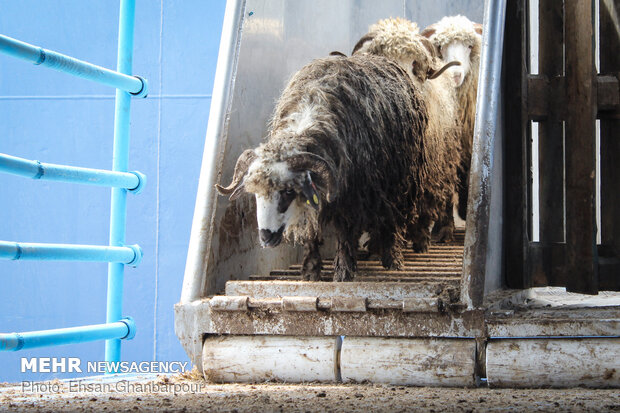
429	31
478	28
430	47
432	74
307	161
241	168
366	38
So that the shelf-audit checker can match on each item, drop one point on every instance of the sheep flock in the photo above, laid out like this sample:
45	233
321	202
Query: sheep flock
376	143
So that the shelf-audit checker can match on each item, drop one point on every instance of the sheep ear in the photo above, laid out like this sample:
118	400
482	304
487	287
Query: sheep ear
433	74
429	31
478	28
429	46
337	53
366	38
236	187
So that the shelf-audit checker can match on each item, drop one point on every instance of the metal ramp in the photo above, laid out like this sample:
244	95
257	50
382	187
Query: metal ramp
447	319
277	327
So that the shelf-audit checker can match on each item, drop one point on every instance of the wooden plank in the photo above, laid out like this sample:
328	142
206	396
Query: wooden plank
608	94
527	363
610	146
411	362
547	264
546	97
516	138
234	359
609	274
551	131
581	257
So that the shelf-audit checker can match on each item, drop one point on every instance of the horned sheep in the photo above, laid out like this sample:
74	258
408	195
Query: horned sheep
457	38
344	148
398	39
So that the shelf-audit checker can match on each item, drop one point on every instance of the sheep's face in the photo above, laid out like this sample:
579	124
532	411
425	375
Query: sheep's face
284	199
273	213
287	198
460	52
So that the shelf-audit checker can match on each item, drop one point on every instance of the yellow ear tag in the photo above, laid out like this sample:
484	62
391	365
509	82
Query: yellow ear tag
315	199
308	201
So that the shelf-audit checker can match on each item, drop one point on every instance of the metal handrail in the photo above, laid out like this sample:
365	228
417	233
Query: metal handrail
133	181
117	254
133	84
131	255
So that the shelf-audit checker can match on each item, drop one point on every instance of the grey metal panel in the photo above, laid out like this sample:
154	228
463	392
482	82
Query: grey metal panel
277	38
425	13
485	202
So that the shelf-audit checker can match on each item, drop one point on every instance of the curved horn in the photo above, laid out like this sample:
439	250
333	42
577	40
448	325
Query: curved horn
365	38
478	28
430	47
241	168
429	31
307	161
434	74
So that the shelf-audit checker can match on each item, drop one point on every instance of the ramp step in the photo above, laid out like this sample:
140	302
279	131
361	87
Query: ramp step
364	272
334	303
371	290
327	277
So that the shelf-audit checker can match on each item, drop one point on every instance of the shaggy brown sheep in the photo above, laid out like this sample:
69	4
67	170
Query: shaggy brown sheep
344	148
398	40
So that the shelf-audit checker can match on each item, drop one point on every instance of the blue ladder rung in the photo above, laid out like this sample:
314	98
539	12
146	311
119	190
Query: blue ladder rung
123	329
135	85
131	254
133	181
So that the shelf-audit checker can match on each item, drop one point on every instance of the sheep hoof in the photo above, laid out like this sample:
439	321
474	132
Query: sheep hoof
420	246
446	234
343	275
392	262
311	276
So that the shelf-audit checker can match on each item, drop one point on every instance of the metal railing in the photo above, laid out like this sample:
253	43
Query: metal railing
117	254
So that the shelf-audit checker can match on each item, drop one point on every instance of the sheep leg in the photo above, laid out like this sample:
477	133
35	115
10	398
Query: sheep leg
345	261
312	264
445	225
420	233
392	252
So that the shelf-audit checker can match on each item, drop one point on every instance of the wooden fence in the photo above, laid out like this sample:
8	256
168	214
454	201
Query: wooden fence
565	98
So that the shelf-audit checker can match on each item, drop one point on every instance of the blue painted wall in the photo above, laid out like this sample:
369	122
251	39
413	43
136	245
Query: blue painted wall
53	117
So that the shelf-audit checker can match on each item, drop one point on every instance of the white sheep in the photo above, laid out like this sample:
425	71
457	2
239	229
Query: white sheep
459	39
